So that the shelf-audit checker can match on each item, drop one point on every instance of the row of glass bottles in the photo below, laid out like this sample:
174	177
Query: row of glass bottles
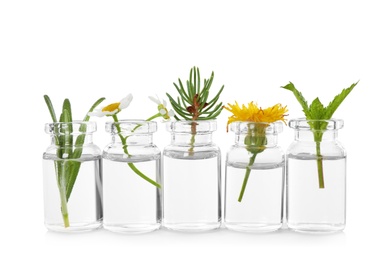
190	196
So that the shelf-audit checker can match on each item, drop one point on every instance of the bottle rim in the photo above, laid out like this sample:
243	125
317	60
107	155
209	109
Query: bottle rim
136	126
243	127
184	126
75	127
305	124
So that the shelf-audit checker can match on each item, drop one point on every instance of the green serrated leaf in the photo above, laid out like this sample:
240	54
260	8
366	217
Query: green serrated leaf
316	110
298	95
335	103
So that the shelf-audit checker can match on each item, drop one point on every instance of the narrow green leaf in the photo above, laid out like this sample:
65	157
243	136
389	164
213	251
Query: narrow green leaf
299	97
211	79
174	103
183	90
74	166
68	118
335	103
81	137
198	81
214	100
202	101
190	90
190	85
182	94
181	102
67	131
195	80
50	107
177	108
99	101
214	110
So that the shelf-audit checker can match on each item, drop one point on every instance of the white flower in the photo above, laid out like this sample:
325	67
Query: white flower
113	108
166	114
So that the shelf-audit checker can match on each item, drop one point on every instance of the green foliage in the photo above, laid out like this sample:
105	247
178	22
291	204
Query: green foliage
68	169
192	102
299	97
319	113
335	103
316	110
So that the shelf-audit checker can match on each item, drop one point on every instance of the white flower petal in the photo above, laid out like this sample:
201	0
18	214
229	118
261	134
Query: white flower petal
110	113
162	111
156	101
97	113
124	103
171	113
164	103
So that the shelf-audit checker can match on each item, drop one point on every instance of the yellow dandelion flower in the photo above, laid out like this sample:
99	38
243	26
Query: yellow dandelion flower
253	113
274	113
255	140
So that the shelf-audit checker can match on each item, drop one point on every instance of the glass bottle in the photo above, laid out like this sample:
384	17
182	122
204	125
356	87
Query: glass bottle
72	178
131	204
192	177
316	177
254	178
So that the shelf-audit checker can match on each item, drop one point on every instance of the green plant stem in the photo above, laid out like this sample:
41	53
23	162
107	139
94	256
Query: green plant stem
153	117
247	174
61	170
193	138
131	165
320	166
148	119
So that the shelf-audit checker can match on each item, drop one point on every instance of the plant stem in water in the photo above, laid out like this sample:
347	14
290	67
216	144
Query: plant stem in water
61	178
193	132
131	165
320	166
247	173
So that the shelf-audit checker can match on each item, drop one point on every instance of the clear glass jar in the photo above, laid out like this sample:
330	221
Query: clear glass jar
72	178
192	177
254	178
131	204
316	177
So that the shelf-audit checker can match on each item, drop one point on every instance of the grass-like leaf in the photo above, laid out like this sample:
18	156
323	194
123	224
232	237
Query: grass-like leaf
75	165
50	108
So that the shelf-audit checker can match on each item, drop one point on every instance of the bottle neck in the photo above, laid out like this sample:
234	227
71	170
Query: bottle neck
191	133
268	140
186	139
132	139
312	136
71	140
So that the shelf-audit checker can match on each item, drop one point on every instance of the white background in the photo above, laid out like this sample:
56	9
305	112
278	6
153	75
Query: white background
87	49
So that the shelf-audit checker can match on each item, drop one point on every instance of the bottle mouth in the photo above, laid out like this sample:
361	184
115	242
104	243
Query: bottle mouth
304	124
242	127
76	127
131	126
187	127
